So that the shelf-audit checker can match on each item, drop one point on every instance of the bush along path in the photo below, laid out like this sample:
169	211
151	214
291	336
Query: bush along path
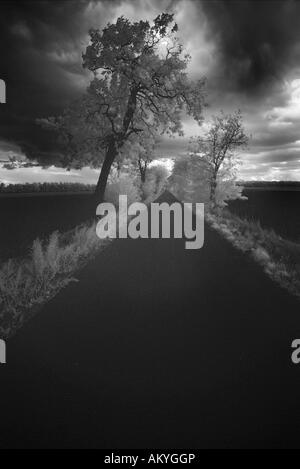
26	284
279	257
157	346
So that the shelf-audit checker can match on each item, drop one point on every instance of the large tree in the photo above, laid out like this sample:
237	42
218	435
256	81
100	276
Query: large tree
139	83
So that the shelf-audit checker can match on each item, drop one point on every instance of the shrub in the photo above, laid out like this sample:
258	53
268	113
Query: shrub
191	182
26	284
123	185
279	257
156	180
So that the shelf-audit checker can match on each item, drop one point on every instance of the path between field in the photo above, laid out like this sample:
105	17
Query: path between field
157	347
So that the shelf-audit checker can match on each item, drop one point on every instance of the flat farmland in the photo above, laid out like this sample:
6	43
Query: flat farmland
274	209
27	217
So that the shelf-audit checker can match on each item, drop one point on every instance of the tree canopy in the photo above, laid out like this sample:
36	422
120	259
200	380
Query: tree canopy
139	83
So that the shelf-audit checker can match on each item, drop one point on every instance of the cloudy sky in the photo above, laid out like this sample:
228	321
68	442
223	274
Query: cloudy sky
248	50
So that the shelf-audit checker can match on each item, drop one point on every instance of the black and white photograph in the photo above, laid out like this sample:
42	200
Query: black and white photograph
150	227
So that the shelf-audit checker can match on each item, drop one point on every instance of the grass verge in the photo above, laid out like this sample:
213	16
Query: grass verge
28	283
279	257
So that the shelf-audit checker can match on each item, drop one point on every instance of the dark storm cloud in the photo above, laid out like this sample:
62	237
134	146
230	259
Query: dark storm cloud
40	50
258	41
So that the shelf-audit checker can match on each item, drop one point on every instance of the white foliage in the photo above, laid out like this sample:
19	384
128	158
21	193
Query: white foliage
190	181
123	185
156	180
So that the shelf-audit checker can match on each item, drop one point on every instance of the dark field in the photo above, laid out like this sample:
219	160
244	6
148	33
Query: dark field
25	218
278	210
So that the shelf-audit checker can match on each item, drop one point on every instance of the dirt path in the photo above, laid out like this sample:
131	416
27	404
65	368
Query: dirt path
157	347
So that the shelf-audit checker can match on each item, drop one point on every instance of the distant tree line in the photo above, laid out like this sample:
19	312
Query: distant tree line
265	184
47	187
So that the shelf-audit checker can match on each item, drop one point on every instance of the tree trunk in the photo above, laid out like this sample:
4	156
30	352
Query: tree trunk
142	169
143	175
105	170
213	189
112	150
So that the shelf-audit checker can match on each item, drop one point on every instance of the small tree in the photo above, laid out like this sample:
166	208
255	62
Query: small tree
218	148
145	156
139	153
139	84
